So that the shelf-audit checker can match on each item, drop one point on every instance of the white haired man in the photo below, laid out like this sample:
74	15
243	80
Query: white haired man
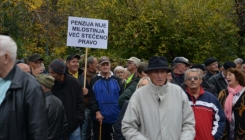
159	110
22	104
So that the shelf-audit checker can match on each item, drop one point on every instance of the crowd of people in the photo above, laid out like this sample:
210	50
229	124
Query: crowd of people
142	101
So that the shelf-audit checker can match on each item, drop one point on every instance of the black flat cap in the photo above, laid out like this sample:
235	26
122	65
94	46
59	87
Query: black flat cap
70	57
209	61
229	64
198	66
35	57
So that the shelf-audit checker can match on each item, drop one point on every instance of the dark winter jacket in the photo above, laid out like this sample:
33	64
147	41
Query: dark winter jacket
128	92
57	123
70	93
104	94
118	125
22	112
126	85
207	76
218	81
177	80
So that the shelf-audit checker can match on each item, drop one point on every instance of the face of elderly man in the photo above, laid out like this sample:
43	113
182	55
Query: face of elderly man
158	77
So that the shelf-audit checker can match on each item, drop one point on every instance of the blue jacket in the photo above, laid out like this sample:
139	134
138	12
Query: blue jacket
104	94
209	115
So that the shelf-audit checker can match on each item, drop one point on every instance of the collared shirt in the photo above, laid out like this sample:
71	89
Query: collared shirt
5	84
74	75
224	77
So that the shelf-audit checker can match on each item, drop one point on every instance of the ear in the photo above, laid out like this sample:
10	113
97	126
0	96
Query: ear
7	58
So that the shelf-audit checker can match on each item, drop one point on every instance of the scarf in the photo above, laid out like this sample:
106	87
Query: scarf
229	100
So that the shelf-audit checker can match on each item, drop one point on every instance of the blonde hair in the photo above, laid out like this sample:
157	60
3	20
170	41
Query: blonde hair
143	78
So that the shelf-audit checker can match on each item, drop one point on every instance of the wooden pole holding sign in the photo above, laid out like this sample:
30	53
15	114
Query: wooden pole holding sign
85	68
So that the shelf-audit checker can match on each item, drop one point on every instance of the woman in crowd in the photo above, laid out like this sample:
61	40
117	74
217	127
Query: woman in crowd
232	100
119	71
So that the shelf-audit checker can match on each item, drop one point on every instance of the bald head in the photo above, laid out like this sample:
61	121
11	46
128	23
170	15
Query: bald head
24	67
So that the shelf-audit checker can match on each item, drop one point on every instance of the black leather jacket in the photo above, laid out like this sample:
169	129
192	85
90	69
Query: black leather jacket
57	122
218	81
22	112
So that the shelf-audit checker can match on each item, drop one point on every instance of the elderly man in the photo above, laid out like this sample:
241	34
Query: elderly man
159	110
238	63
133	63
69	91
22	104
209	115
205	85
180	65
56	117
212	68
24	67
104	93
34	61
72	64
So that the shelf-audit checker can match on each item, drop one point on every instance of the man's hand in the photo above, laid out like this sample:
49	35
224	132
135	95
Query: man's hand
36	71
85	91
99	117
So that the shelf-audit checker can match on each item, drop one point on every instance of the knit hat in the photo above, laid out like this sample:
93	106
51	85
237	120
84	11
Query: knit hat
57	66
198	66
229	64
45	80
209	61
135	60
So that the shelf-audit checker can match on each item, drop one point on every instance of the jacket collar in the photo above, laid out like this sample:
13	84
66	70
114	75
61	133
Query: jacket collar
17	77
163	88
201	91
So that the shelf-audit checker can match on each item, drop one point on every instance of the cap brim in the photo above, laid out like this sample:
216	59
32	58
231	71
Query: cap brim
105	62
76	56
40	58
157	68
183	63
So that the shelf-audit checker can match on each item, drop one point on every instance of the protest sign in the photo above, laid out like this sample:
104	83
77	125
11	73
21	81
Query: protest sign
87	32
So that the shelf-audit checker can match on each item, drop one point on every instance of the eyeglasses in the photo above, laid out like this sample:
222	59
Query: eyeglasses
194	77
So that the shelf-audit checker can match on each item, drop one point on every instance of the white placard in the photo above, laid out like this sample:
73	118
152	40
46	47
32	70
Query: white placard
87	32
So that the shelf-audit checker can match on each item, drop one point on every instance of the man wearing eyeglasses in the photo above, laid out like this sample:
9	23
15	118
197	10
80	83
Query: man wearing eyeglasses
209	115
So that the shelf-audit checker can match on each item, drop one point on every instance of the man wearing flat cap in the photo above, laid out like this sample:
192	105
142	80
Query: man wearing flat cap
55	112
219	80
159	110
34	61
180	65
212	68
105	89
69	91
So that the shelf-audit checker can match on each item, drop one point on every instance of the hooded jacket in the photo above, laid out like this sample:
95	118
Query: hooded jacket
23	113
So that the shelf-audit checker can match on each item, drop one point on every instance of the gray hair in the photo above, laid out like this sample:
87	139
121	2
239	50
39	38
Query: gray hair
7	44
238	61
119	68
193	70
90	60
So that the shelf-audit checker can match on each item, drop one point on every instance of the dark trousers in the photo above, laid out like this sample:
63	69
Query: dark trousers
106	131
